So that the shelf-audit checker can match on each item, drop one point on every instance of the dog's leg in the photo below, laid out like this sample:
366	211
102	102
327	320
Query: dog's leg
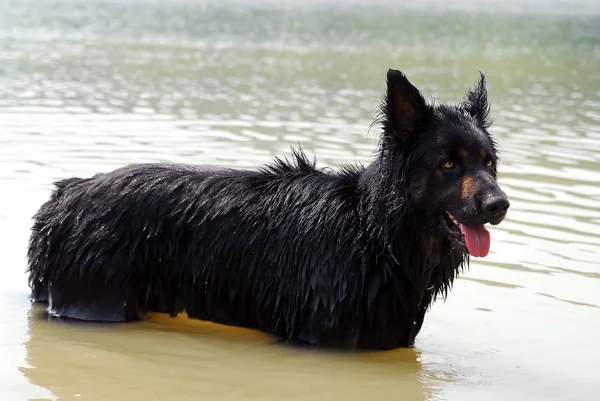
39	293
97	301
164	298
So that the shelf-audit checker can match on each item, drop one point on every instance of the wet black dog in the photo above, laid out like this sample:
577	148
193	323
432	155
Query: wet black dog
351	259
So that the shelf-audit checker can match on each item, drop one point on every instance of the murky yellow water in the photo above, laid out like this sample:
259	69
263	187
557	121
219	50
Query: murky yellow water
90	86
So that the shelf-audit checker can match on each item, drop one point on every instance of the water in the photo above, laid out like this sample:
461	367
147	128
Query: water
88	86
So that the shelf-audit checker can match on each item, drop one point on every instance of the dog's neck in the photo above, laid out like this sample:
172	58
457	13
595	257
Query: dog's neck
397	228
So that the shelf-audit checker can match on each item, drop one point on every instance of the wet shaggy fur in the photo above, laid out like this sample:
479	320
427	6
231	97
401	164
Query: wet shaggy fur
351	258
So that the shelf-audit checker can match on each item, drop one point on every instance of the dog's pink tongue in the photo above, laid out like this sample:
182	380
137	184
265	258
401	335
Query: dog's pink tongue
477	240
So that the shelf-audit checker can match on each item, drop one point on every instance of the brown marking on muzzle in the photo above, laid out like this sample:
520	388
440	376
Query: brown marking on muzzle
468	187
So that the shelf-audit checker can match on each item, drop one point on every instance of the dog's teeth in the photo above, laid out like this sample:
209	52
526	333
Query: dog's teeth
452	218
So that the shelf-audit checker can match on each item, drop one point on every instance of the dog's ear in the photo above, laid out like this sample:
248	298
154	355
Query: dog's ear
403	108
476	102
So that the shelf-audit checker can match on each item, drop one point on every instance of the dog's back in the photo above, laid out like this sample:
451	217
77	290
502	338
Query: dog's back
221	244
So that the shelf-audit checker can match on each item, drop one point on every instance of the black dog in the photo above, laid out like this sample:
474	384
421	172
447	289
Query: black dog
350	259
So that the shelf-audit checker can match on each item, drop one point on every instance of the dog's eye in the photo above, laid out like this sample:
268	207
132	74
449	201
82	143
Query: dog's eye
449	165
489	163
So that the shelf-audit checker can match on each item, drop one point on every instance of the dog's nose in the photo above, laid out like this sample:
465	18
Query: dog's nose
496	205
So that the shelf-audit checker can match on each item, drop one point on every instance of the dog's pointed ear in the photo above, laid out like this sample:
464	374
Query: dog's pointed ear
404	107
476	102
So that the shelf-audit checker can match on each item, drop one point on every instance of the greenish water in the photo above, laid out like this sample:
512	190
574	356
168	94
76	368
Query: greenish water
88	86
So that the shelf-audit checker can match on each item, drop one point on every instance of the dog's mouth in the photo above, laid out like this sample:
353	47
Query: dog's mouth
474	239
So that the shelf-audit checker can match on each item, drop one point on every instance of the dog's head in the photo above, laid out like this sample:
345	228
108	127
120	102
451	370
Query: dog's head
450	161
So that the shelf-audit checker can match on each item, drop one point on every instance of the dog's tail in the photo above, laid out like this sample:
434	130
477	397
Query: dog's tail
46	221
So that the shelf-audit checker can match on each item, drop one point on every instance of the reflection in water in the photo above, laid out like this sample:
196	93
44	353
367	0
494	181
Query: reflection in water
187	359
